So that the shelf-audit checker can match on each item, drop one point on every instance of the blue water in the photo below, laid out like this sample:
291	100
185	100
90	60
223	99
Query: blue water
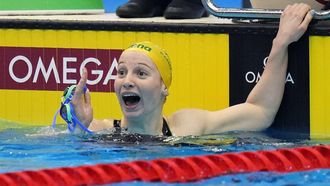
42	147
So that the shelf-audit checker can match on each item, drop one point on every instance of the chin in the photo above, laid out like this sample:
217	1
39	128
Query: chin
132	114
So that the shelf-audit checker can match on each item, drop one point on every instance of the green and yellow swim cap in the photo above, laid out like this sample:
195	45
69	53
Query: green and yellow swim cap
158	56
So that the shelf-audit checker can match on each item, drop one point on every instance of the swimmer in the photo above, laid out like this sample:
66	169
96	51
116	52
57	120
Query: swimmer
144	79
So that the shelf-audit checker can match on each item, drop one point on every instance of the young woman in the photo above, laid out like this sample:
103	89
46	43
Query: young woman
144	78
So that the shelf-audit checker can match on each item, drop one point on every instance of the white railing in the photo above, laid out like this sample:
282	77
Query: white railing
249	13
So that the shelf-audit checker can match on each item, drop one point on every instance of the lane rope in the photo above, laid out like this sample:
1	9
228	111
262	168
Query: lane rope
181	169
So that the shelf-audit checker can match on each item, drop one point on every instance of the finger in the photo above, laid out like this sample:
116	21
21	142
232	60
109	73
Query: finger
88	97
79	92
294	5
303	8
286	10
308	19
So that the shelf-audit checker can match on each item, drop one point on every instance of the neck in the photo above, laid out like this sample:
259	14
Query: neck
150	123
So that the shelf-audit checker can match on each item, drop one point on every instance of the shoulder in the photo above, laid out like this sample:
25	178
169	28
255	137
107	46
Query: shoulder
188	122
98	125
184	114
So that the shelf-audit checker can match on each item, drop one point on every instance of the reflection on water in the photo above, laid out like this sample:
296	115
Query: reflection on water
44	147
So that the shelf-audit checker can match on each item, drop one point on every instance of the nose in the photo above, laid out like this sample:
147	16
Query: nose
128	85
128	82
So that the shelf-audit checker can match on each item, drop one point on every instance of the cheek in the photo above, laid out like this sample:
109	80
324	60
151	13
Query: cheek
152	93
117	85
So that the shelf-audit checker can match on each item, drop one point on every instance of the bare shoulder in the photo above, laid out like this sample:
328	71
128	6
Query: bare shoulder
98	125
188	122
188	114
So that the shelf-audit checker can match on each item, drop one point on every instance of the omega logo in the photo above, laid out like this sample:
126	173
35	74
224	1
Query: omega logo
254	77
40	71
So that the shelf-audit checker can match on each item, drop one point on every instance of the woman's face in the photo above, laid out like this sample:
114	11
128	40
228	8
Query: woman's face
138	85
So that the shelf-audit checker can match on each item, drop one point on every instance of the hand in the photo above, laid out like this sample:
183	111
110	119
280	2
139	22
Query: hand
81	101
294	22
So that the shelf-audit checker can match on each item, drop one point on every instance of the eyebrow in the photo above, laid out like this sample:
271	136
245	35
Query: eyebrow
145	65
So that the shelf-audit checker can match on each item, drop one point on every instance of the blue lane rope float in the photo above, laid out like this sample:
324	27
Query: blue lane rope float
67	112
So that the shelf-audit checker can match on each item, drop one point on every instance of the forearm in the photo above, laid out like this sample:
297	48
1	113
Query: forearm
268	92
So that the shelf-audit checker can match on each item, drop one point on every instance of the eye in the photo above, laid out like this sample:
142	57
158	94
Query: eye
142	74
121	72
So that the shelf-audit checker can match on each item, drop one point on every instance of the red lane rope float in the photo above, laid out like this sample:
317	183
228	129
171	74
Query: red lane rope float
185	169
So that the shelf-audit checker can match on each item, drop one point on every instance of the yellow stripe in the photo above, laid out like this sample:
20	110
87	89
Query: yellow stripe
116	40
29	107
200	71
103	39
105	105
38	107
24	37
65	38
319	86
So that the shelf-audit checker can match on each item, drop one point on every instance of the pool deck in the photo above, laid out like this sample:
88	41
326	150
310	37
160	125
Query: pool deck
111	17
109	21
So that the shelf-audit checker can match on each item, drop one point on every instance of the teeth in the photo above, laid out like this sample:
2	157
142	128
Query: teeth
129	95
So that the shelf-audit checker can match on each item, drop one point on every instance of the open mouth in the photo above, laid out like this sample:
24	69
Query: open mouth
131	99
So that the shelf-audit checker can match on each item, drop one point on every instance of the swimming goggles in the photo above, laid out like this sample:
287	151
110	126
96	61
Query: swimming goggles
67	112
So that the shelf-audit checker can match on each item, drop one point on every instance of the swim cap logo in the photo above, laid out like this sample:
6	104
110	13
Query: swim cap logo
141	46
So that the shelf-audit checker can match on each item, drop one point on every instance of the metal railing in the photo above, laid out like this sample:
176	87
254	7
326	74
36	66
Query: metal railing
248	13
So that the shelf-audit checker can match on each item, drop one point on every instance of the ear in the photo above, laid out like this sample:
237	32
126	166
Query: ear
164	90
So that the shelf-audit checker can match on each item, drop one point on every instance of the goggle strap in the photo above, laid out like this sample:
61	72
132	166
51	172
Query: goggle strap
71	118
68	96
85	89
69	93
82	126
68	111
54	119
71	126
76	120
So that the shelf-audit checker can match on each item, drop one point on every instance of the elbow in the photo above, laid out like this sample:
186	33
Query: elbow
266	124
267	119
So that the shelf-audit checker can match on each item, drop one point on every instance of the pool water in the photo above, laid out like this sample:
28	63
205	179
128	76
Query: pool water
36	148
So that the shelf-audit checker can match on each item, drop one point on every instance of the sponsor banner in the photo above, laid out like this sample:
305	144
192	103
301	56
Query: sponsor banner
28	68
248	57
37	65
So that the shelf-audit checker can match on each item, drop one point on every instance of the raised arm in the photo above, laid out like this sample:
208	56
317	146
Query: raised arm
262	104
81	102
267	95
